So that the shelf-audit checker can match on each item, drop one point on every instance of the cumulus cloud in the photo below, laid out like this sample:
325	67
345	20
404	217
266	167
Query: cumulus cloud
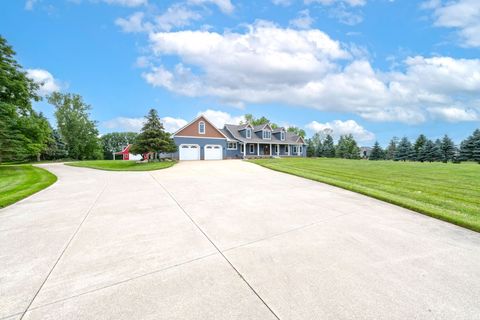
135	124
176	16
225	6
462	15
269	64
353	3
455	114
134	23
339	128
126	3
47	82
303	20
219	118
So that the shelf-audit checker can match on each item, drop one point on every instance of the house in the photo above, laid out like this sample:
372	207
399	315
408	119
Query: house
126	155
201	140
365	152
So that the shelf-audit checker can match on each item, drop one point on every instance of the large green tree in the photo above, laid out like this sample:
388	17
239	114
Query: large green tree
404	151
297	131
447	149
470	147
418	145
328	148
377	152
23	132
153	138
347	148
76	129
115	141
391	149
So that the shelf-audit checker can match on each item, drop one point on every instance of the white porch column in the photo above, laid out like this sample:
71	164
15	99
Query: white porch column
270	149
258	149
278	149
288	153
298	150
244	149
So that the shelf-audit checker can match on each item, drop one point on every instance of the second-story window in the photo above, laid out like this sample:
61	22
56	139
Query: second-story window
201	127
248	133
267	134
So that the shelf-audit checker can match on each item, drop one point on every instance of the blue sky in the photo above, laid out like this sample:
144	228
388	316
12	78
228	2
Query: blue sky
374	68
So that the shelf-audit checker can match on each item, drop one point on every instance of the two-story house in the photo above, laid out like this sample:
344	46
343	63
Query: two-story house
201	140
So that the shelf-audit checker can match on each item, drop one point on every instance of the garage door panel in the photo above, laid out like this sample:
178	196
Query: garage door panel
213	152
189	152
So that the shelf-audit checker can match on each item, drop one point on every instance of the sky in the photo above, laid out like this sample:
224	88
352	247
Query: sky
373	68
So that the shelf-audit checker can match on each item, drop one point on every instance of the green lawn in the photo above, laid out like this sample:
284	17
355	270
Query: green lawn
450	192
120	165
20	181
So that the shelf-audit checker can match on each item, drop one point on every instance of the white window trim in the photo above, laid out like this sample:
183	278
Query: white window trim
248	133
252	148
294	149
263	135
200	125
234	148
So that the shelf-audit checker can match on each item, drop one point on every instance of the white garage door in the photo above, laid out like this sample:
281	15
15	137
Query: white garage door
189	152
213	152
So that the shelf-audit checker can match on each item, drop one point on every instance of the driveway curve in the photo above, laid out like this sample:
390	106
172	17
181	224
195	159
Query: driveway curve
227	240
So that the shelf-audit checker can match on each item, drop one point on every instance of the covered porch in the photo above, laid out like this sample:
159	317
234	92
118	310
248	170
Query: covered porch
267	150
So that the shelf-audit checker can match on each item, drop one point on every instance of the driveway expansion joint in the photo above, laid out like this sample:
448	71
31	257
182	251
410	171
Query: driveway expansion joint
216	247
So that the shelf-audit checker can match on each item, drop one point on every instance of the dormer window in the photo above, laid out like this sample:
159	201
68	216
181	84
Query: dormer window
248	133
282	135
201	127
267	134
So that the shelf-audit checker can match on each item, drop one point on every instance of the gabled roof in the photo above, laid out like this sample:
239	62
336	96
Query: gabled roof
234	131
244	126
279	129
194	120
261	127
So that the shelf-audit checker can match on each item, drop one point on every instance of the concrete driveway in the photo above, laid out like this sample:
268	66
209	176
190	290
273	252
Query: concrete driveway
227	240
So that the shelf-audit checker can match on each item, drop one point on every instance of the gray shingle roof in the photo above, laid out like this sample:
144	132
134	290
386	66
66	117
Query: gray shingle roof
234	132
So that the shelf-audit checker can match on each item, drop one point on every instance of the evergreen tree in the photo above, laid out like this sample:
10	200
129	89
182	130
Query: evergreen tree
347	148
404	150
76	129
56	147
430	151
328	149
153	138
310	148
468	146
391	149
447	149
418	145
377	152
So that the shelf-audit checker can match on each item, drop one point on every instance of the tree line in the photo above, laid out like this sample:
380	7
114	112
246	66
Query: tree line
27	135
322	145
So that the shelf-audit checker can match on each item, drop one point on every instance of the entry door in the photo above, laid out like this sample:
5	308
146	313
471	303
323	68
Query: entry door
266	150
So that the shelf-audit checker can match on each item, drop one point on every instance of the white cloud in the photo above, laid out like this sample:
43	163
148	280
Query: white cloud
135	124
455	114
284	3
126	3
463	15
47	82
269	64
30	4
134	23
225	6
339	127
352	3
176	16
303	20
219	118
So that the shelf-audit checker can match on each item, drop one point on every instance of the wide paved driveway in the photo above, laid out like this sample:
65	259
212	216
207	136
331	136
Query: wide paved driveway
227	240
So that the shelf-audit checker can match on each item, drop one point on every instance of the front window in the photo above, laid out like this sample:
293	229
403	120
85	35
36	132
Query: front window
252	148
201	127
286	148
276	148
294	149
282	136
267	134
300	149
232	146
248	133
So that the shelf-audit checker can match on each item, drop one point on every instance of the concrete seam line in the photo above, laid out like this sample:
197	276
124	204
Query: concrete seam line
122	282
215	246
65	248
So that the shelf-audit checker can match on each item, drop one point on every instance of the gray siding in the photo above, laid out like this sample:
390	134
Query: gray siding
201	142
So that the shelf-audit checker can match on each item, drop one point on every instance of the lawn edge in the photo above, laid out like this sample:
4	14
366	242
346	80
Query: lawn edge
52	180
384	199
75	164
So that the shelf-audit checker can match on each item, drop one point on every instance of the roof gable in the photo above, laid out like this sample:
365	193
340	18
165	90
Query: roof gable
191	129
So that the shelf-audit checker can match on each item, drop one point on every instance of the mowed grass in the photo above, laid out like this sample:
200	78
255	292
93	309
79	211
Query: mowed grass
446	191
20	181
121	165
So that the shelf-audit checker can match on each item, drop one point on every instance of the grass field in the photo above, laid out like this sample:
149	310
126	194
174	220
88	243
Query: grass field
450	192
120	165
20	181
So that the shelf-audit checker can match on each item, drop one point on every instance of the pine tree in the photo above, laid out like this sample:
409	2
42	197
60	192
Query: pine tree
391	149
310	148
476	151
447	149
377	152
347	148
419	143
328	147
153	138
467	146
404	150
